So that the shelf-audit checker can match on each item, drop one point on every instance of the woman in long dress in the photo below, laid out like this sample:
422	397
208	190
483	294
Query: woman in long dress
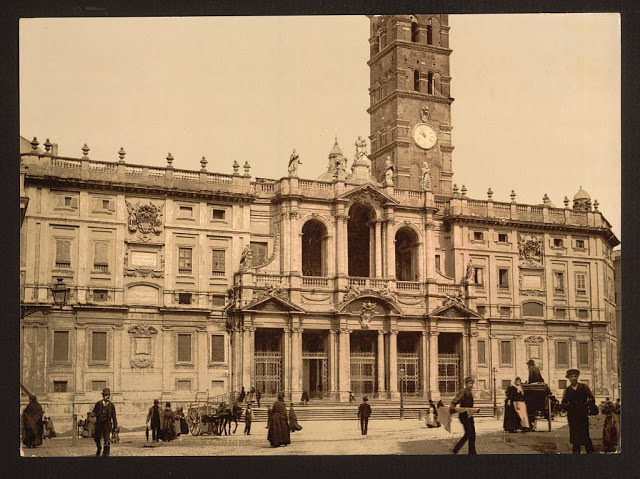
32	427
293	420
279	434
168	428
515	409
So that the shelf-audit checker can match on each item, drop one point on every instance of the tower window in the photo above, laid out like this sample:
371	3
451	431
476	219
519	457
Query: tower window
430	83
416	80
429	35
414	32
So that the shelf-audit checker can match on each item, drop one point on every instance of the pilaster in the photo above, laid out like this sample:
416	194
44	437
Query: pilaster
381	370
424	364
345	363
433	365
393	363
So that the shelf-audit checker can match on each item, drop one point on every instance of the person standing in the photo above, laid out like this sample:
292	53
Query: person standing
153	419
168	423
364	412
465	399
241	396
32	427
576	400
279	434
258	396
293	420
248	418
432	415
515	409
106	422
610	429
535	376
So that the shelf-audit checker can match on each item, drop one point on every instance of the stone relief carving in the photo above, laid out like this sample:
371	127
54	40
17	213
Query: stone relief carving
141	348
452	299
271	291
142	328
145	219
366	313
130	270
352	292
534	339
530	250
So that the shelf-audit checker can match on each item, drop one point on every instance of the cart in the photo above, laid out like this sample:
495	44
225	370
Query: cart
537	398
202	416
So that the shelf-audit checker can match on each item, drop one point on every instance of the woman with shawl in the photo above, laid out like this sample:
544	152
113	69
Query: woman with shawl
168	429
293	420
279	434
611	428
515	409
32	426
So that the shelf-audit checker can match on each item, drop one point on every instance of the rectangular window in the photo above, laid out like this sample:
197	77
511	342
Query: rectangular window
482	352
63	254
557	242
562	354
503	278
217	214
217	262
582	313
183	385
482	310
259	252
478	236
101	256
100	295
98	385
99	346
562	384
503	238
185	260
105	204
504	311
68	200
478	275
437	261
218	301
184	348
217	348
506	383
505	353
560	313
581	284
60	386
558	281
580	244
184	298
583	354
186	211
61	345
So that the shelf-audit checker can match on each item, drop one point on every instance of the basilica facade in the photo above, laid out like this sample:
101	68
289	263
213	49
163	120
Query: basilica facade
382	276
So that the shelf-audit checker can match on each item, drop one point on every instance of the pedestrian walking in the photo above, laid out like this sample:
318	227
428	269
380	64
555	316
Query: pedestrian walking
352	398
153	420
515	409
279	434
248	418
576	400
364	412
432	415
258	396
465	399
293	420
106	422
168	423
32	427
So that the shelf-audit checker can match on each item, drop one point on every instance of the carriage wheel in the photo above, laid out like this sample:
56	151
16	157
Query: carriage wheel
194	423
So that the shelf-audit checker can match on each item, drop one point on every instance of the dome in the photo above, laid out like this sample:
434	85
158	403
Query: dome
581	195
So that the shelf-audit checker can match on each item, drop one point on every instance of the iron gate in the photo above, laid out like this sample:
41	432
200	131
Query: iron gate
448	373
363	373
268	372
321	388
409	384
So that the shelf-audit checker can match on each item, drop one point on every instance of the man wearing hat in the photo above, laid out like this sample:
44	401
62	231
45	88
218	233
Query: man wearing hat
534	372
153	418
364	412
575	401
106	422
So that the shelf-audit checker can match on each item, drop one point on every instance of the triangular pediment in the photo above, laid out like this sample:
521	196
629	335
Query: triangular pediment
454	310
367	193
273	303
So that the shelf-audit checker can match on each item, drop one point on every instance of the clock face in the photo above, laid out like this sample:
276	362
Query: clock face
424	136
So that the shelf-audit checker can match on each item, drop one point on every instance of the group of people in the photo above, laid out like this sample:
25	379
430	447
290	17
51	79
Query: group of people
165	424
252	396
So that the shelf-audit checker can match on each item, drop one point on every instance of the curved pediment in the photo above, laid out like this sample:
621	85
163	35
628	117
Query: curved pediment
383	306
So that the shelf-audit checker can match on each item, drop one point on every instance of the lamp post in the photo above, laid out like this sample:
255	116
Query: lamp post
495	406
402	392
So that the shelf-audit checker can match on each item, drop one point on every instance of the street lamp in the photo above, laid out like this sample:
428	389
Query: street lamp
495	406
401	392
59	292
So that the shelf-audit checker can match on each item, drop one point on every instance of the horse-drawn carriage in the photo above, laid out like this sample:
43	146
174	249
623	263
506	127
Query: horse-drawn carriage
211	415
537	397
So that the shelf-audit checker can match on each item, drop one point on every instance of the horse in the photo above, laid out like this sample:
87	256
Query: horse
230	415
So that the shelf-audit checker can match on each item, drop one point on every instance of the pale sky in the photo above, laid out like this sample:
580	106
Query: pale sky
537	97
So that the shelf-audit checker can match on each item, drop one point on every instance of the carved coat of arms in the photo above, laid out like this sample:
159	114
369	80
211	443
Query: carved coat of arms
530	250
146	219
366	313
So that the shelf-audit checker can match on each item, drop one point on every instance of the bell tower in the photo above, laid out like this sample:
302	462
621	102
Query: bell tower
410	102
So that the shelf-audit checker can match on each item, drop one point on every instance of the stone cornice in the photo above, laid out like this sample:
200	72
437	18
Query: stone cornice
411	46
409	94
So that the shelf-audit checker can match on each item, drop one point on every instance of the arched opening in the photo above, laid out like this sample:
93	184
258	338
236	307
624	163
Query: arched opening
414	32
430	83
314	240
416	80
359	237
533	308
429	35
406	255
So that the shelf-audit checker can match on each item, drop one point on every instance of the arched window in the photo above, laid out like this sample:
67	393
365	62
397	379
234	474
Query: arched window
414	32
359	239
314	240
430	83
429	35
531	308
406	255
416	80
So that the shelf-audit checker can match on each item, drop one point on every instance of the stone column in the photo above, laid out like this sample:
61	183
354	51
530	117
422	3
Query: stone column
332	367
238	345
296	362
429	250
433	365
295	246
286	362
381	369
345	364
473	355
596	366
393	363
82	337
341	244
286	243
424	364
391	250
465	354
378	248
248	332
421	261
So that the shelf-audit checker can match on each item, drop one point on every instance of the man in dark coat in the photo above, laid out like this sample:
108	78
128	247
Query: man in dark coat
465	399
258	396
106	422
576	400
534	372
32	423
279	434
153	419
364	412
